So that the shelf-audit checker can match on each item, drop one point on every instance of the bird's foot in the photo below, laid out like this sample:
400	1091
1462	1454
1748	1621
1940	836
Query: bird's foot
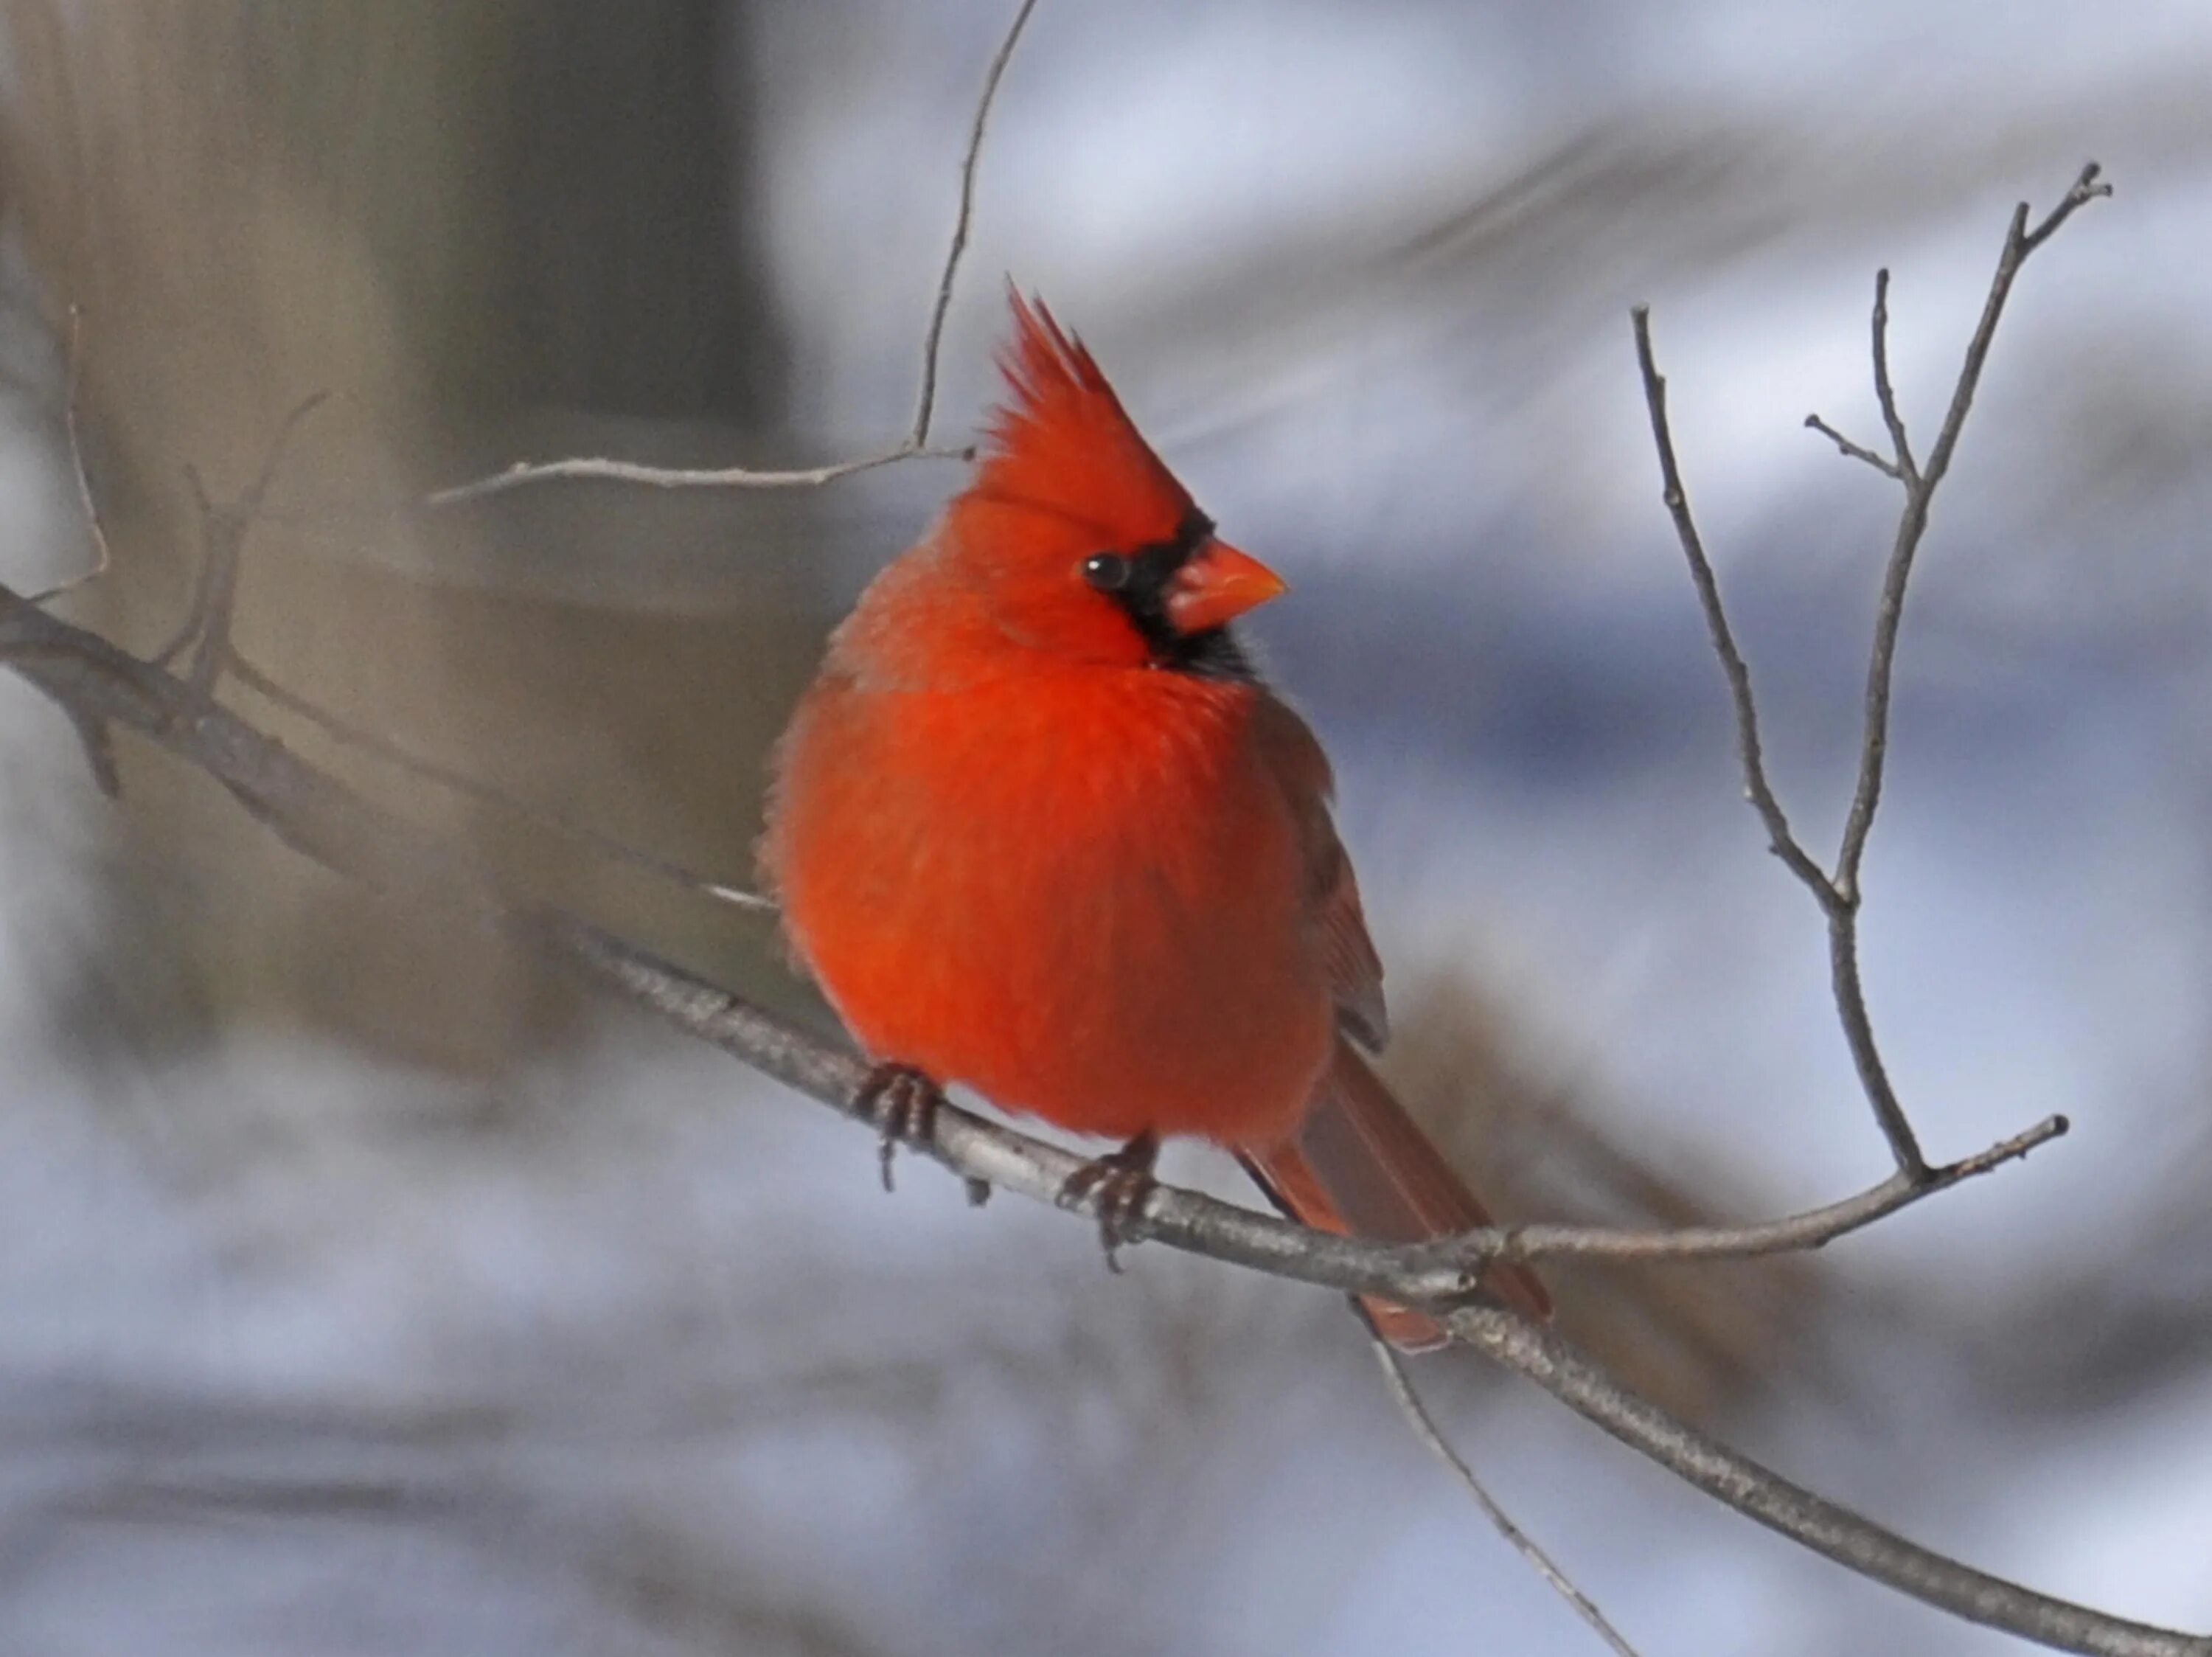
904	1102
1119	1184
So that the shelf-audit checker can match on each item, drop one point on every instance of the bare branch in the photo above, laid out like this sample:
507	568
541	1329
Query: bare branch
969	163
1797	1233
1757	789
1424	1428
1919	490
587	468
1797	1513
2020	242
1838	894
916	445
316	815
1839	906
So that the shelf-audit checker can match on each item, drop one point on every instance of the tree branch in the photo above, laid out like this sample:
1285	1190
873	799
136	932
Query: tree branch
316	815
1761	1494
916	445
1919	490
1839	894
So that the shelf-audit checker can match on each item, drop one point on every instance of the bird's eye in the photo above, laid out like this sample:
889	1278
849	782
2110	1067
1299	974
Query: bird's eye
1107	571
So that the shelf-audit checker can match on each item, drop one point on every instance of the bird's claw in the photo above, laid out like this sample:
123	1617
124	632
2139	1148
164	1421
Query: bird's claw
1118	1184
904	1103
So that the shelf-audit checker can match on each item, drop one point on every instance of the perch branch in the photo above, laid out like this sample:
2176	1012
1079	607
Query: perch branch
318	817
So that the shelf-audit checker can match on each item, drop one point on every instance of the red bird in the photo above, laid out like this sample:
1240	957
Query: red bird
1038	827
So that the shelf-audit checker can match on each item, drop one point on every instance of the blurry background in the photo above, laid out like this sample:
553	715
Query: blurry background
363	1290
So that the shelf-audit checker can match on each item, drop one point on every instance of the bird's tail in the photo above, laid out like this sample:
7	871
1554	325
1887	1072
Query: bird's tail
1360	1167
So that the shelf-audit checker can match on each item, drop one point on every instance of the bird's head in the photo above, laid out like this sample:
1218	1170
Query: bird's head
1082	541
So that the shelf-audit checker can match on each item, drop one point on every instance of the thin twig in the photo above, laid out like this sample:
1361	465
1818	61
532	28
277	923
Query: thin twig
585	467
1851	450
1781	1505
1757	789
1797	1233
223	529
1885	389
1424	1428
351	735
916	445
925	404
318	817
103	555
2020	242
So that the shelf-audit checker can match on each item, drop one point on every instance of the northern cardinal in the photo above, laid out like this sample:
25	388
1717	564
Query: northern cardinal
1039	827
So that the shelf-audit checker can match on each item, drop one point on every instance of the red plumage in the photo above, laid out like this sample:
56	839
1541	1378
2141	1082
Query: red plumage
1038	829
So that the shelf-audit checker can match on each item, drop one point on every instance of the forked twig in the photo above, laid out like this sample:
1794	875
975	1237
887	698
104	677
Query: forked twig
223	530
1920	485
1837	893
1797	1234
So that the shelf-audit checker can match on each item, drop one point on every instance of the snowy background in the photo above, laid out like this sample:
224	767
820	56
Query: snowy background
362	1293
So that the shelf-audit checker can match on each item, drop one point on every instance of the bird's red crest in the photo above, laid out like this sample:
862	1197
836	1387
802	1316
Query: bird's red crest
1062	441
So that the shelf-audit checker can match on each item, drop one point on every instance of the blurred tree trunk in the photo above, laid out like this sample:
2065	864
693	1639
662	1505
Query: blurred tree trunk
448	216
629	278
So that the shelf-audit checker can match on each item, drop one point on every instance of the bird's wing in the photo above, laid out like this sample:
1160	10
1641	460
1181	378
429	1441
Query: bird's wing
1355	970
1359	1164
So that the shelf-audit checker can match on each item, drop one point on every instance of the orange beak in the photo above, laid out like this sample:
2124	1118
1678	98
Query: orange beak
1216	586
